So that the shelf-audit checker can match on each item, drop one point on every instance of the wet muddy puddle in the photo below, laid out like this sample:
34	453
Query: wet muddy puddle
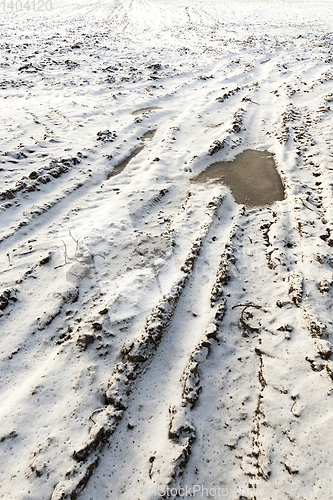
147	136
252	178
145	110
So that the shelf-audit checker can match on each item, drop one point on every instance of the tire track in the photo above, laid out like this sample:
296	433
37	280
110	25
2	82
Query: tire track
157	383
246	339
136	356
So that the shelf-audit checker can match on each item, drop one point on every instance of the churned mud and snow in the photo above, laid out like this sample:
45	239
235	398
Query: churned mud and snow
161	335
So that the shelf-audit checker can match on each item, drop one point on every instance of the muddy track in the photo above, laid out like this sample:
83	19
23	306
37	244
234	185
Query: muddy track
56	168
250	448
162	362
137	354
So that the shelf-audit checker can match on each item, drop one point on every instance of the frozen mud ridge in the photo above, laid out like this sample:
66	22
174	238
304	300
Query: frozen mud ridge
161	336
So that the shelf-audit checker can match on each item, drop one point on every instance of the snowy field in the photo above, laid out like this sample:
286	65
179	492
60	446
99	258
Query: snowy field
157	339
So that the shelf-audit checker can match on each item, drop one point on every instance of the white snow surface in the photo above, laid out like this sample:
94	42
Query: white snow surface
88	251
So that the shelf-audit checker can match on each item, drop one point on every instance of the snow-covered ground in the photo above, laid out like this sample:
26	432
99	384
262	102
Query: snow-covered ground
158	339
